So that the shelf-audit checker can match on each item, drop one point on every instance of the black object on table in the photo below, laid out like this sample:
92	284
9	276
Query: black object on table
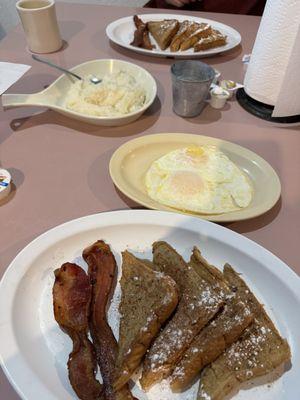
261	110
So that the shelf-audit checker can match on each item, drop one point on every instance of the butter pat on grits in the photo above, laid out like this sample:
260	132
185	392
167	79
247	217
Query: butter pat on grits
201	179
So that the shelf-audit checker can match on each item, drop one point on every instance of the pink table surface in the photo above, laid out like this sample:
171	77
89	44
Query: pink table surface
60	167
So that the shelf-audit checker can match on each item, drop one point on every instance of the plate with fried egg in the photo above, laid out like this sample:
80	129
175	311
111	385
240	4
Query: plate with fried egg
192	174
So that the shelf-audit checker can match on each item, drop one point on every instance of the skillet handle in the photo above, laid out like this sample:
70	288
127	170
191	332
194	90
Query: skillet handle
21	100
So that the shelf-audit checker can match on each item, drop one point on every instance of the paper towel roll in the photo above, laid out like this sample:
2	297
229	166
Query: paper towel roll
275	59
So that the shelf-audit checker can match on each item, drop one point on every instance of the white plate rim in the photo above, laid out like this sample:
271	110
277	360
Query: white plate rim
17	268
168	54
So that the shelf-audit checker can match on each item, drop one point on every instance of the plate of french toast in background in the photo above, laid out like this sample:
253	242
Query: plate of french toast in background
149	305
172	35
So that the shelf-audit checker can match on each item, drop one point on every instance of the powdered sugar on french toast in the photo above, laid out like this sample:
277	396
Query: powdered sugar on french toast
113	315
162	390
249	350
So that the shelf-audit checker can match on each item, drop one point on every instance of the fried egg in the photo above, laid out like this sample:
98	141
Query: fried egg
201	179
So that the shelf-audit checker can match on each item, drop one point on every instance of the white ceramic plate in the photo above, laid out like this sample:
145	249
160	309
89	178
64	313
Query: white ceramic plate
121	32
54	96
33	349
131	161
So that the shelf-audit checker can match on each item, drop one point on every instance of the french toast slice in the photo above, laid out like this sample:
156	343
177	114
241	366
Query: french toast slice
224	330
208	272
198	303
217	335
148	299
259	351
215	39
186	29
163	31
203	31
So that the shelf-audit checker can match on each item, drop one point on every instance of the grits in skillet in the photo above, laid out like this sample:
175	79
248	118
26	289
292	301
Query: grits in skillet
118	94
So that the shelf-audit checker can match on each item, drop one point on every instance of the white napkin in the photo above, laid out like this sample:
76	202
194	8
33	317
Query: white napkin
288	102
10	73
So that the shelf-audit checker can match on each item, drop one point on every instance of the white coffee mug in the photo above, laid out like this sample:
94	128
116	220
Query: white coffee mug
40	25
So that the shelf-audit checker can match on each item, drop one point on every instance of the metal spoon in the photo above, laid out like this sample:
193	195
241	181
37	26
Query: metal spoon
42	60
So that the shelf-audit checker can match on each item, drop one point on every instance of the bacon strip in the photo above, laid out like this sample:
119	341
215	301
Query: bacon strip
71	302
141	35
102	270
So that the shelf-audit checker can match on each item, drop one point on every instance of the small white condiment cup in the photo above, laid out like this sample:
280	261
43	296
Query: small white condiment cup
218	97
5	183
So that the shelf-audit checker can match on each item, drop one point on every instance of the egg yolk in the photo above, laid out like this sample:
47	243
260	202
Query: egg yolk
186	183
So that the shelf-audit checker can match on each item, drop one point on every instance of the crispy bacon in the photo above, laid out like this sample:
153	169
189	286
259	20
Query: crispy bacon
71	301
141	35
102	271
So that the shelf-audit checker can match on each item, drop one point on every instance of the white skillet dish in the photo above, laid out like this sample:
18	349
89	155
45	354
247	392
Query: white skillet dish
54	96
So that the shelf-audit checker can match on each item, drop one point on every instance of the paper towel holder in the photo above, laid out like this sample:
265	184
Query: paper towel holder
261	110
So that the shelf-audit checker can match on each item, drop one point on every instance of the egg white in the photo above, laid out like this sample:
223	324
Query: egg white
201	179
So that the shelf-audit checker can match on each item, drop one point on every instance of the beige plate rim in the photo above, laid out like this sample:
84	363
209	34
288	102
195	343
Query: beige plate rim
272	196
